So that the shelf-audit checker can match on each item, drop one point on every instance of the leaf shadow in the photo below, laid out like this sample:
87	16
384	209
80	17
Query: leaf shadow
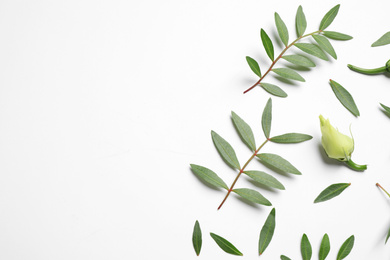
385	112
262	186
286	81
248	202
326	159
298	67
276	170
204	182
277	40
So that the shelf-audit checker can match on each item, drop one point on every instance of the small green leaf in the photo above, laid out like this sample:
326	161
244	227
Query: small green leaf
337	36
312	49
267	43
266	119
299	60
331	192
267	231
225	150
346	248
245	131
344	97
225	245
254	66
300	22
208	176
282	29
388	235
324	248
325	45
273	89
291	138
252	196
329	17
197	238
288	74
278	162
383	40
306	250
265	179
283	257
386	108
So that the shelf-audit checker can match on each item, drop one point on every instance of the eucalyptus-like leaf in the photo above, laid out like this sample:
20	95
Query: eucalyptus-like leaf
278	162
288	74
387	236
253	196
208	176
283	257
331	192
267	43
267	231
306	250
300	22
266	118
291	138
312	49
337	36
346	248
273	89
324	43
329	17
265	179
254	66
282	29
299	60
225	150
197	238
383	40
245	131
386	109
344	97
225	245
324	248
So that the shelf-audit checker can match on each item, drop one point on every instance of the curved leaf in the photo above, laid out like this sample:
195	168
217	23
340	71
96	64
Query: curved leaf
325	45
245	131
253	196
267	43
208	176
225	150
254	66
331	192
299	60
283	257
329	17
346	248
197	238
300	22
344	97
306	250
273	89
282	29
266	118
278	162
265	179
267	231
383	40
337	36
324	248
312	49
291	138
225	245
288	74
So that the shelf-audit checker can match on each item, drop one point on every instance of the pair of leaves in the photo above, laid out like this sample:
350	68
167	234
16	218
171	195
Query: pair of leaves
331	192
383	40
345	98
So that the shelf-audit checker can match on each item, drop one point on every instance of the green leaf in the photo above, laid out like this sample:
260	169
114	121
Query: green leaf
331	192
306	250
325	45
197	238
291	138
288	74
225	150
209	176
254	66
324	248
388	235
267	231
386	108
344	97
312	49
225	245
329	17
283	257
383	40
266	119
300	22
337	36
273	89
299	60
282	29
245	131
346	248
265	179
278	162
252	196
267	43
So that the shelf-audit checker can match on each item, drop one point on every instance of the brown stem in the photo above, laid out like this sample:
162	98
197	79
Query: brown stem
383	189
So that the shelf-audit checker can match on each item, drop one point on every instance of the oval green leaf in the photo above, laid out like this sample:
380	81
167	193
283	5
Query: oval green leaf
253	196
290	138
283	257
265	179
337	36
254	66
324	43
267	43
244	131
324	248
383	40
331	192
344	97
306	250
288	74
282	29
273	89
209	176
225	245
300	22
278	162
329	17
266	118
312	49
299	60
197	238
346	248
225	150
267	231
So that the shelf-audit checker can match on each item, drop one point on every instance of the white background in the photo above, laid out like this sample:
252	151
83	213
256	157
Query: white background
104	104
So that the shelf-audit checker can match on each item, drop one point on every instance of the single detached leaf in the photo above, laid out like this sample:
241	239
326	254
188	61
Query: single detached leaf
346	248
245	131
312	49
386	108
344	97
267	43
306	250
265	179
325	45
209	176
288	74
282	29
225	150
252	196
300	22
278	162
254	66
266	118
383	40
273	89
388	235
197	238
324	248
225	245
337	36
267	231
299	60
283	257
291	138
329	17
331	192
